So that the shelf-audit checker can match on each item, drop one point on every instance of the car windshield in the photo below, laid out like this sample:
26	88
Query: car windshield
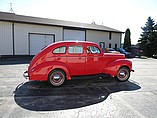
122	50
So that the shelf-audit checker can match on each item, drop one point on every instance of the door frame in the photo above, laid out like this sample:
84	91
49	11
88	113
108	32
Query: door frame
29	34
95	64
74	29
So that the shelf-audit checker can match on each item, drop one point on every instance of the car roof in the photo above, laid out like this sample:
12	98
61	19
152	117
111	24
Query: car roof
73	42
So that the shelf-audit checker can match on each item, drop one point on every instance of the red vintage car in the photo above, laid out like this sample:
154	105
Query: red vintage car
63	60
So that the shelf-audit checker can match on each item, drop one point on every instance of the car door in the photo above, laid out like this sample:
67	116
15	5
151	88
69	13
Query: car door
76	59
94	60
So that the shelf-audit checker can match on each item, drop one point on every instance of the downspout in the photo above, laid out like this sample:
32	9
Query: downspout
121	40
13	38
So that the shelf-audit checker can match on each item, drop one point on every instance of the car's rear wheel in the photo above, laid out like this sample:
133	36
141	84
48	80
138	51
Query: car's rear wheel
123	74
56	77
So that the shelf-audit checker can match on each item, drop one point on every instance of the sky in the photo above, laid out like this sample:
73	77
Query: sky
117	14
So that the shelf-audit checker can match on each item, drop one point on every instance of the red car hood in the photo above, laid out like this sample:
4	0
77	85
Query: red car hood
113	56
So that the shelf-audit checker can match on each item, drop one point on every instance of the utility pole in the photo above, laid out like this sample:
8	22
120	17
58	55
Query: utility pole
11	9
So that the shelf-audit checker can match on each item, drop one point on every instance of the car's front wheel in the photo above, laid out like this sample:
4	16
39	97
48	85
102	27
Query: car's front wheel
123	74
56	77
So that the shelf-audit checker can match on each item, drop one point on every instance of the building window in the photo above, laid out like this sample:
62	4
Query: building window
115	46
109	45
110	35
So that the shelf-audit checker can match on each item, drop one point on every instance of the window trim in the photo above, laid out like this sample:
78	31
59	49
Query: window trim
110	46
116	46
110	35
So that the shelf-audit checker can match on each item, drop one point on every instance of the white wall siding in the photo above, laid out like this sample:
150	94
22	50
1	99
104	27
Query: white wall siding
97	36
6	41
74	35
115	39
20	43
100	36
22	35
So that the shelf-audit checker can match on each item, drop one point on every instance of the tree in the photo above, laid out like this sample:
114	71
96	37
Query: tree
127	39
155	40
148	40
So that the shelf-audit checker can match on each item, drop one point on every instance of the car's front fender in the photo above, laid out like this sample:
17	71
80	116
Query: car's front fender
113	67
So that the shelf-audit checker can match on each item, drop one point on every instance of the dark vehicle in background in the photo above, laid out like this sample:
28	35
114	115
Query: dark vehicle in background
136	52
111	50
127	54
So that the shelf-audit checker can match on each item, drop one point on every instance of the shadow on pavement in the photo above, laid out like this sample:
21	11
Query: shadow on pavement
40	96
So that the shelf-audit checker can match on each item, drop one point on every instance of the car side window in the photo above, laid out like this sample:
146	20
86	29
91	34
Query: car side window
75	50
59	50
92	50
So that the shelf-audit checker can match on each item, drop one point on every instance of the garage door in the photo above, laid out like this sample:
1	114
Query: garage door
74	35
38	41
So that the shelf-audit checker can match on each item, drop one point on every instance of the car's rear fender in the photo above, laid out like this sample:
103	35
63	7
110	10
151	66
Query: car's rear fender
62	67
113	67
41	71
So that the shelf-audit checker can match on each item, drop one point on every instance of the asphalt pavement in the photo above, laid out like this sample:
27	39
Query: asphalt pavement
91	97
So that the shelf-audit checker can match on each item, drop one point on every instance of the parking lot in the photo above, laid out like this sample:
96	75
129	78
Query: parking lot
82	98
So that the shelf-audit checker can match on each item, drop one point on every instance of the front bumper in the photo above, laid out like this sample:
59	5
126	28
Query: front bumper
25	74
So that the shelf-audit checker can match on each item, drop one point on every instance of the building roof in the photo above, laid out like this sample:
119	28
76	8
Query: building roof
11	17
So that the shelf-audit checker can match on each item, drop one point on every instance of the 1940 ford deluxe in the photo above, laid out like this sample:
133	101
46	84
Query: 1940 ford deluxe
63	60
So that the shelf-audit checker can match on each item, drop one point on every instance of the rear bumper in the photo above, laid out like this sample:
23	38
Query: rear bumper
133	70
25	74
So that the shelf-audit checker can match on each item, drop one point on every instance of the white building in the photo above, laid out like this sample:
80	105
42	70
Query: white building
25	35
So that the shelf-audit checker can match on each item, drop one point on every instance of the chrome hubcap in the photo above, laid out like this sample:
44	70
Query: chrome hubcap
56	77
122	73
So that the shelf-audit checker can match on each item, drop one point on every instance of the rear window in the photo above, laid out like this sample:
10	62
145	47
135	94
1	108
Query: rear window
75	49
59	50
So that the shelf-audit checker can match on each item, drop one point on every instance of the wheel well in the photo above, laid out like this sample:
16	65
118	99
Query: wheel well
125	67
56	69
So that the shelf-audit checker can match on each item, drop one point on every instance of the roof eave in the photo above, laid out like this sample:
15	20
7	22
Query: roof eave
11	17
